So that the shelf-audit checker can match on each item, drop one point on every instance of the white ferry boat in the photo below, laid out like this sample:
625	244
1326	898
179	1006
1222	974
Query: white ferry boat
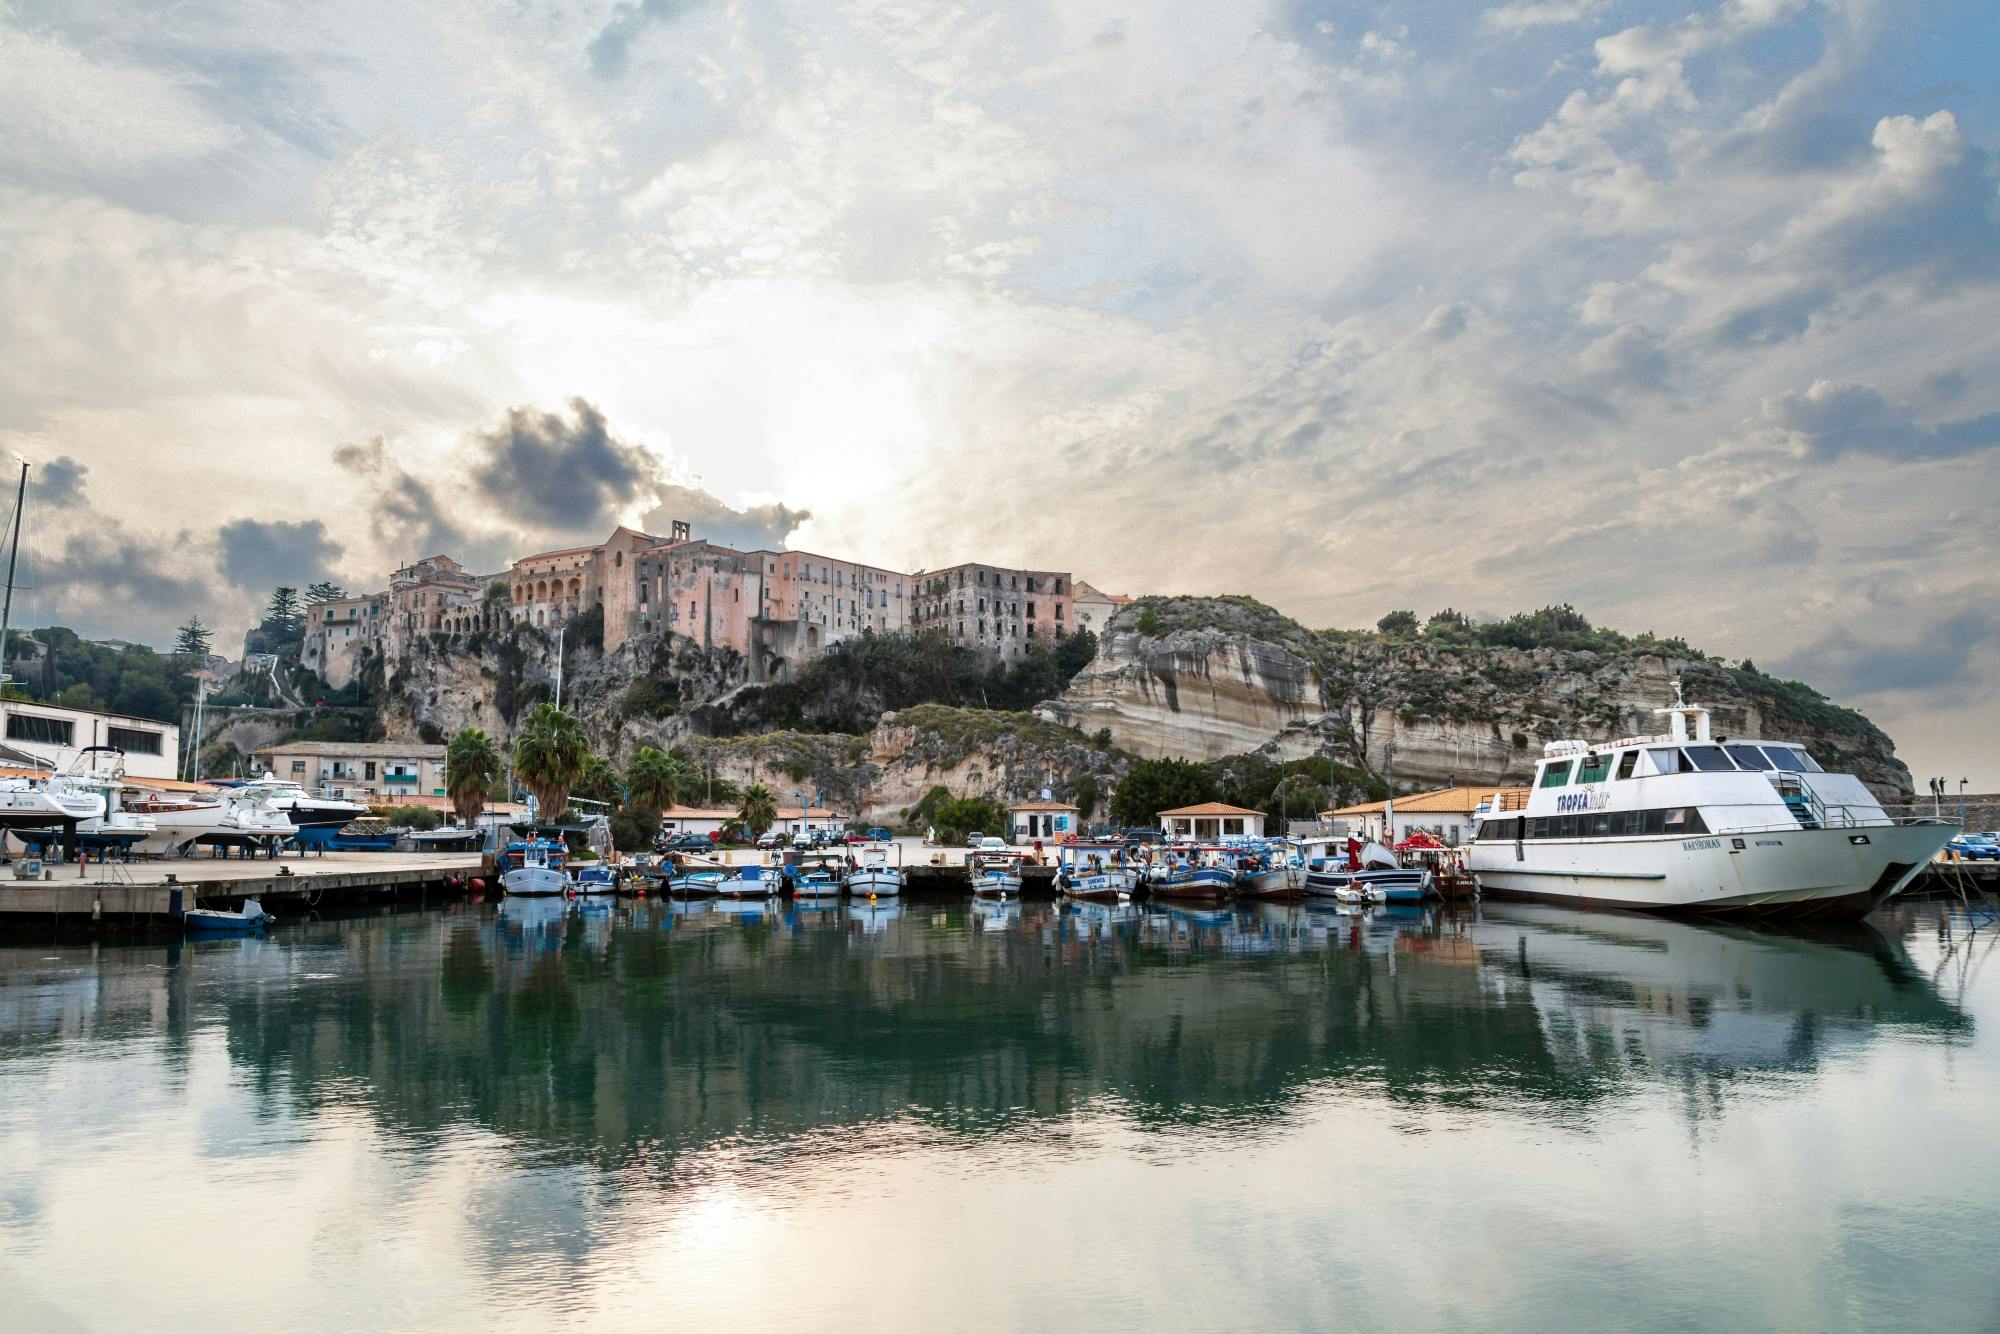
1689	821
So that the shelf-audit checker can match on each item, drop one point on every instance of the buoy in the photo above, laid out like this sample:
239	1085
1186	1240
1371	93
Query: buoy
477	883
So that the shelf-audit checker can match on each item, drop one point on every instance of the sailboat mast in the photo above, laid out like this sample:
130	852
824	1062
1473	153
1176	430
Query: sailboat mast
13	555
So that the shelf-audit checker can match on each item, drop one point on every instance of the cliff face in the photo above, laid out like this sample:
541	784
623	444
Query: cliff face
1214	677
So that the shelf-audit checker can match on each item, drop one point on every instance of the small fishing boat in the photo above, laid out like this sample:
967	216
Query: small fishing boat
756	882
535	868
1198	875
596	878
996	873
1095	871
876	876
814	875
1370	869
1272	869
218	922
697	881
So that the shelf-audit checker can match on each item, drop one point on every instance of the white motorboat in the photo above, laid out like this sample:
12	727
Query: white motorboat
1689	821
1095	871
876	876
38	803
221	922
535	870
313	816
178	822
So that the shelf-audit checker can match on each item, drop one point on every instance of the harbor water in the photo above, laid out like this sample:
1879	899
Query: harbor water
1023	1116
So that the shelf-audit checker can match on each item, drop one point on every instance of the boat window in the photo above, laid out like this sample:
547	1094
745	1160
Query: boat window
1594	769
1806	761
1541	823
1709	759
1628	763
1557	773
1600	825
1656	822
1748	757
1666	760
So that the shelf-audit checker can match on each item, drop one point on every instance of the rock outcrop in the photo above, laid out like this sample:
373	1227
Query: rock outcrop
1209	677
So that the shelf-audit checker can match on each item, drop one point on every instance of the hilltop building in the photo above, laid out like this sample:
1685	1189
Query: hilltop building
1091	610
994	609
435	595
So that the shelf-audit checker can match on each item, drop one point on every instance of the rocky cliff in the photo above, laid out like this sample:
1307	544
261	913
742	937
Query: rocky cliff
1209	677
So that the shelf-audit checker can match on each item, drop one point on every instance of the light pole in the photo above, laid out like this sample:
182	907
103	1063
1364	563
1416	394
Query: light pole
1961	801
1389	806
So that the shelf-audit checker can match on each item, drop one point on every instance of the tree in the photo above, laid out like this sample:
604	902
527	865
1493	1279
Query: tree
324	591
1398	623
549	757
281	614
661	778
471	768
634	828
969	815
600	781
1152	786
759	810
193	638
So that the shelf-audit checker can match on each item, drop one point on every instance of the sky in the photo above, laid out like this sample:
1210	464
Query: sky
1682	313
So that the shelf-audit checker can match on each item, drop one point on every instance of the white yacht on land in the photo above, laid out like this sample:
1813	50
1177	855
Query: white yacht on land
1689	821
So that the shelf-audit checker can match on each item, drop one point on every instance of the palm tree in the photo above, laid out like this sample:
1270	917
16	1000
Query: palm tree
550	753
760	808
471	768
600	781
656	778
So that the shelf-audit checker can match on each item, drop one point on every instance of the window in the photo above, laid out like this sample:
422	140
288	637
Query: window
1666	760
1594	769
368	771
1748	757
1557	773
1628	763
33	727
298	767
1709	759
136	740
1792	760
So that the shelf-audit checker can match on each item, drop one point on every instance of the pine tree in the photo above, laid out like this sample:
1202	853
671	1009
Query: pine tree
282	615
193	638
324	591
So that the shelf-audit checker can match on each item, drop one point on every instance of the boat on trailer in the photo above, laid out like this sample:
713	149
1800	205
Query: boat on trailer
1690	821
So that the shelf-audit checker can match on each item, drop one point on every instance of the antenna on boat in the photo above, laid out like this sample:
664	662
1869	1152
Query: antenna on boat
13	554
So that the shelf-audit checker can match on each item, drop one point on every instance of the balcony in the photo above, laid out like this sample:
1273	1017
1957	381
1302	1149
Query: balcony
399	778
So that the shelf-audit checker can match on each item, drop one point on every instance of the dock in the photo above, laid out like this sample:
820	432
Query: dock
155	891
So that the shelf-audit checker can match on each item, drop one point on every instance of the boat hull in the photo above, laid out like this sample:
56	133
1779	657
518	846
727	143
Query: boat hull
1280	882
1208	885
1104	886
535	882
996	884
878	881
1832	873
1383	885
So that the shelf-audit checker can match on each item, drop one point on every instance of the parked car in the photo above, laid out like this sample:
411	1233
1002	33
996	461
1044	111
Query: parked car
853	836
1975	847
1144	834
771	838
974	839
879	835
689	843
992	845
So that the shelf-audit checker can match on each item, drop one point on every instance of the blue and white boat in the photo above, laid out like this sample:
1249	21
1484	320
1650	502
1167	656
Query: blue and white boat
535	868
876	876
1271	869
758	882
1095	871
218	922
596	878
697	882
1197	874
815	875
1363	873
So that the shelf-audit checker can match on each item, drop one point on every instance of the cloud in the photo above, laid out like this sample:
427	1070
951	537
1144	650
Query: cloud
256	554
105	580
754	528
1542	13
570	476
57	484
1837	417
1938	659
611	50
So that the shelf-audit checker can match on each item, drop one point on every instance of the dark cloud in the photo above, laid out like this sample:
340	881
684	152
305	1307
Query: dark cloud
57	484
570	476
408	520
1837	418
611	50
1941	658
104	581
258	555
760	526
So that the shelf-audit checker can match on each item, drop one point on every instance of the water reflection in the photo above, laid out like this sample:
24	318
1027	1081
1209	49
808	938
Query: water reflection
686	1023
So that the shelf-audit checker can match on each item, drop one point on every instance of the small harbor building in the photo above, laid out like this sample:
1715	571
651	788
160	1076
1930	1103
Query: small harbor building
1041	819
1212	819
695	819
381	772
52	736
1445	813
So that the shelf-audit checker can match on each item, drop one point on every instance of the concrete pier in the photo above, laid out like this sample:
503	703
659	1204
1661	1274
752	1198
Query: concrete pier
144	892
